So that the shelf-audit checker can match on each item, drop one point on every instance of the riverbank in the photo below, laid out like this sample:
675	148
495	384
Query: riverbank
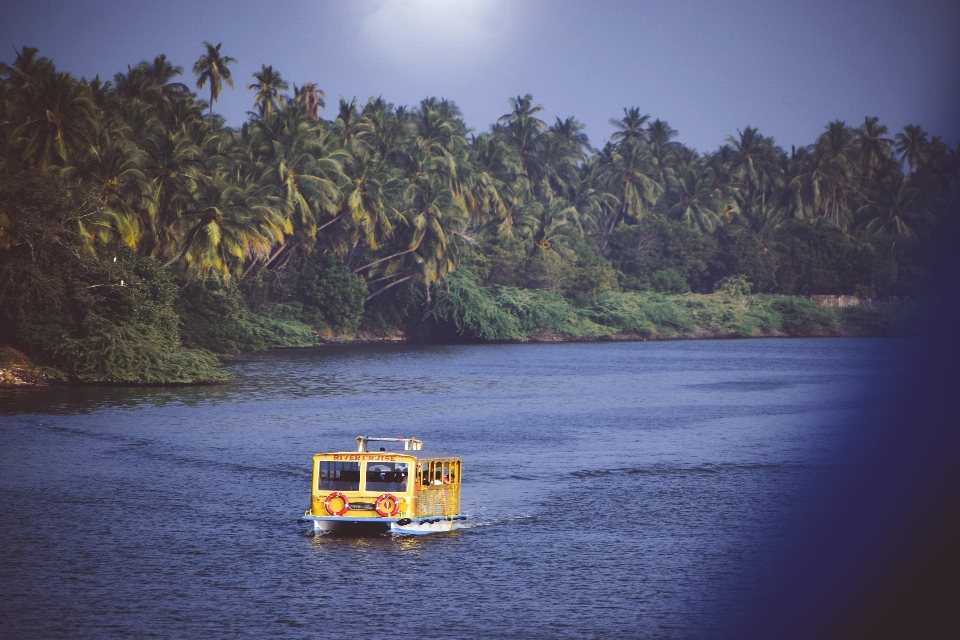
518	316
17	371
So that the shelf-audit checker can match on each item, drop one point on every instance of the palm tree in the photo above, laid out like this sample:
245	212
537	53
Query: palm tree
312	97
383	128
755	162
524	132
550	232
433	217
836	152
57	121
697	201
892	210
222	227
367	194
348	122
213	68
564	151
875	150
113	169
27	69
630	127
297	169
497	171
912	145
172	163
268	86
628	173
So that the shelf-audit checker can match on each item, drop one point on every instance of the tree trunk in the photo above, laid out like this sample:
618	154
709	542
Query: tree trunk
381	290
269	261
381	260
327	224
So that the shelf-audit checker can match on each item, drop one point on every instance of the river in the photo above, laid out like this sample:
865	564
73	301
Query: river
642	489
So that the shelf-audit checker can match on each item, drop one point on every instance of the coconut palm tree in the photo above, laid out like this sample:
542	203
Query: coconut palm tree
297	168
697	201
564	151
112	169
893	209
659	138
222	226
55	121
172	163
268	86
912	146
313	99
497	173
550	232
213	68
433	217
525	133
348	122
755	162
875	150
629	174
367	196
836	152
630	127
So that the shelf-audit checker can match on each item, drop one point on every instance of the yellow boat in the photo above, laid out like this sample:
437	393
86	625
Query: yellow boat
366	492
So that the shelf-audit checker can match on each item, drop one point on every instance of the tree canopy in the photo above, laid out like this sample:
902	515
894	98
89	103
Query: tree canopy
387	202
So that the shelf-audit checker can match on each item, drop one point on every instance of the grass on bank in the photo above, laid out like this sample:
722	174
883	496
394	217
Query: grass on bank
511	314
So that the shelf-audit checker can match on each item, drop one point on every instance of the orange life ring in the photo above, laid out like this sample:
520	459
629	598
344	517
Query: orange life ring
387	505
331	497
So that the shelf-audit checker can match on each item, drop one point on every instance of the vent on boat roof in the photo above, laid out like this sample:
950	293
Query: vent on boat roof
409	444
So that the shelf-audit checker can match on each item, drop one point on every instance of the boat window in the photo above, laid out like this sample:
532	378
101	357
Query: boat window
387	476
339	476
438	472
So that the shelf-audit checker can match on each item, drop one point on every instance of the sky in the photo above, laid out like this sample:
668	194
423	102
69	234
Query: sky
707	68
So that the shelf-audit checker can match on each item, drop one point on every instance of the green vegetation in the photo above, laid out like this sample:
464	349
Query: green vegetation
139	235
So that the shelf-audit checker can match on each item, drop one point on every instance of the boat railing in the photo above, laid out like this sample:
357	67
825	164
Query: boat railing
438	500
409	444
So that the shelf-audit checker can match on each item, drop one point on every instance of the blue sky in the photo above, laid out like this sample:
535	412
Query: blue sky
708	68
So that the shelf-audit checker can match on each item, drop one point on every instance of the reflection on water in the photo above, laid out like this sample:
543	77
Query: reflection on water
612	489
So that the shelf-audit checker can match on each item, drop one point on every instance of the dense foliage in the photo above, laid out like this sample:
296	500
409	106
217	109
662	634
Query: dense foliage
294	224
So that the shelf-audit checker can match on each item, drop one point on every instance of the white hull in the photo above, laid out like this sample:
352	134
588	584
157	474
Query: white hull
419	528
373	526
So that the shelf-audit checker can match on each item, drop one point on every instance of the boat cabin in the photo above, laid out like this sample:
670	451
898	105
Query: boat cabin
372	491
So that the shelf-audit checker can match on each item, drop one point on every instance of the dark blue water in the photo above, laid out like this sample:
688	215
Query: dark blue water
613	489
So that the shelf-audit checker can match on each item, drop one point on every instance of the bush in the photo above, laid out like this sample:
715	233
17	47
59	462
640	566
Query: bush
214	316
819	258
543	311
332	297
471	311
133	354
99	313
891	317
669	281
624	311
655	244
737	285
803	317
741	252
732	315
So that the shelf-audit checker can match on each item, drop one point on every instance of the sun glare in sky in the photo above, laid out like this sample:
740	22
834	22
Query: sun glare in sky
435	34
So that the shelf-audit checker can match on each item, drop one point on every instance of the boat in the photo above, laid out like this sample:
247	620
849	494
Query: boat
364	492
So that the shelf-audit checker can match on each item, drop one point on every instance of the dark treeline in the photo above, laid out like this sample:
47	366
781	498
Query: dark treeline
138	233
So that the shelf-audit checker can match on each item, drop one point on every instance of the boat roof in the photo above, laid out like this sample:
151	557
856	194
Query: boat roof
419	454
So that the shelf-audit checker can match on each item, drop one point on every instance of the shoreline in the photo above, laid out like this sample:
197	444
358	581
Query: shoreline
23	374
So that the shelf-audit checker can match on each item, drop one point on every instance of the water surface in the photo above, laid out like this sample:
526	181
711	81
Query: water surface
634	489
